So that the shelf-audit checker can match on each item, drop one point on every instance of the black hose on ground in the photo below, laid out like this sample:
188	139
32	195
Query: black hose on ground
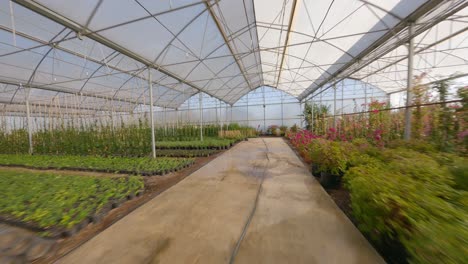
254	208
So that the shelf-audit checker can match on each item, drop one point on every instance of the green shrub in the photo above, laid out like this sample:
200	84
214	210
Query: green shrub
459	170
365	147
417	165
414	144
315	148
408	196
330	156
283	130
294	128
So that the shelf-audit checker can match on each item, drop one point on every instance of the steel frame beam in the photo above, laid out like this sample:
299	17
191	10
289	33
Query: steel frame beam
44	11
75	54
409	80
286	42
422	10
33	105
418	51
397	45
52	89
226	40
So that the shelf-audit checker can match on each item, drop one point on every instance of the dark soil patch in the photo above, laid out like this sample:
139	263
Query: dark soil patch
342	198
154	185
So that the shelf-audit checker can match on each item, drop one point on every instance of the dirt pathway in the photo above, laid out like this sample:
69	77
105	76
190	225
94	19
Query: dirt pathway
209	217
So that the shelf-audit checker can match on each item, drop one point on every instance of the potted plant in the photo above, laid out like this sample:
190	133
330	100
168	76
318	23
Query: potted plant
314	148
330	160
283	130
273	130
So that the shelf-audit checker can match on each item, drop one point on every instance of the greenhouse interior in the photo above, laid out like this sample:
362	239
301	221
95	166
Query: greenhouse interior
233	131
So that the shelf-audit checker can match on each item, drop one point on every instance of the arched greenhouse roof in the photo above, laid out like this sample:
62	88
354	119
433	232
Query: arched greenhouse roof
107	49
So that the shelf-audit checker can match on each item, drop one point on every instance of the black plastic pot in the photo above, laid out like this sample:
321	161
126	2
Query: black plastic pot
315	170
328	180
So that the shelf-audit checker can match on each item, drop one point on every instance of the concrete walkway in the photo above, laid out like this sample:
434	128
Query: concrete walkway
203	218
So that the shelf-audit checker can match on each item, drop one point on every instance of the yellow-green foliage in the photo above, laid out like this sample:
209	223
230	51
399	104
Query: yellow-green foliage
231	134
408	196
50	200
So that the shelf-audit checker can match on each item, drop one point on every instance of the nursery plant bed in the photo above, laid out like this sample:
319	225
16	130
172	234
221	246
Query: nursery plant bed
140	166
207	143
182	153
59	205
154	185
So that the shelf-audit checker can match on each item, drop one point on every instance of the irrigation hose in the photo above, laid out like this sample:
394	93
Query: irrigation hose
254	208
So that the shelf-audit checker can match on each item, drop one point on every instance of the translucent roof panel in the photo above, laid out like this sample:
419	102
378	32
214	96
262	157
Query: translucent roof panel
103	49
440	52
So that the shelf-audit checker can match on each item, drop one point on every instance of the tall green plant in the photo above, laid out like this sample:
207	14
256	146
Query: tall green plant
315	115
445	126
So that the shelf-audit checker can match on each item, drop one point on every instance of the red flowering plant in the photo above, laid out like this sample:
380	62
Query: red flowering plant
379	122
301	140
302	137
332	134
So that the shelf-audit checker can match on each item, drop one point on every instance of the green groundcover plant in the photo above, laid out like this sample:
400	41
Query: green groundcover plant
159	165
55	201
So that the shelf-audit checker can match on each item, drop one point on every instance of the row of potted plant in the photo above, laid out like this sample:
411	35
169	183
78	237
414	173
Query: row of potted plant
77	137
406	194
143	166
56	204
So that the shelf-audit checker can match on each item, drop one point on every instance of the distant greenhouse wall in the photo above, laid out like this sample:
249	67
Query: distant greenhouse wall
261	108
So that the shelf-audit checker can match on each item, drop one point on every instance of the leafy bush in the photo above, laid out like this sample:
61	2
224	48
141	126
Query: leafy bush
330	156
459	170
414	144
294	128
365	147
315	147
283	130
273	130
407	196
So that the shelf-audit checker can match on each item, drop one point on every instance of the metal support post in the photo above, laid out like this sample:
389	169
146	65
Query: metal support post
28	115
248	110
334	106
312	106
153	139
409	86
200	98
